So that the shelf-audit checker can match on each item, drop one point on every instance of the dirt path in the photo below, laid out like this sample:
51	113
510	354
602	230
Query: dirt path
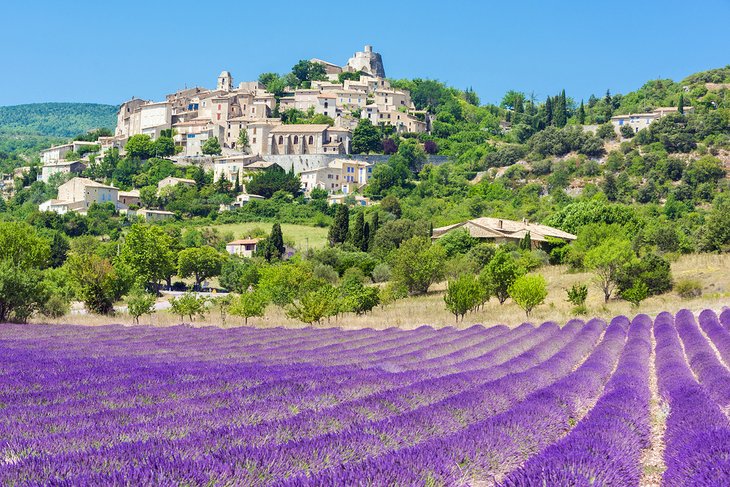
653	457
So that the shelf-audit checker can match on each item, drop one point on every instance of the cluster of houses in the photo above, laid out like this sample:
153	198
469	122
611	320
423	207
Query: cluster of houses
198	114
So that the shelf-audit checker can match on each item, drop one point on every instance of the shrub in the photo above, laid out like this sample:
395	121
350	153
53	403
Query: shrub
627	132
392	292
56	306
500	274
638	292
688	288
577	295
325	272
188	305
528	291
381	272
313	306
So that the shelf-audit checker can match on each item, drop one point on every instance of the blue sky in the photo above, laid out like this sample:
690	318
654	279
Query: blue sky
107	52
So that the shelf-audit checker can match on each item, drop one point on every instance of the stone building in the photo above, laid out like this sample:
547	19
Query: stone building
78	194
366	61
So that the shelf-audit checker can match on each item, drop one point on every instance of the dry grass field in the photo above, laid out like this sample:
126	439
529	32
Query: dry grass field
710	269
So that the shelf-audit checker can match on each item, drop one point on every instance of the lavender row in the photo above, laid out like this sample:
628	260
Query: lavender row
488	449
719	335
702	359
605	447
697	437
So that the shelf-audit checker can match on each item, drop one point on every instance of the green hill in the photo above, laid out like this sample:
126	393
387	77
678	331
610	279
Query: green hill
56	119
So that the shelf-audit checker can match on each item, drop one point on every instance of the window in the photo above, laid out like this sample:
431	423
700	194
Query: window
254	130
254	140
219	116
311	139
219	106
296	139
281	139
326	104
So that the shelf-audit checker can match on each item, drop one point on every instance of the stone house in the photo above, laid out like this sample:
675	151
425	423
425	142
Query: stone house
339	176
243	247
499	231
61	167
78	194
58	153
638	121
173	181
308	139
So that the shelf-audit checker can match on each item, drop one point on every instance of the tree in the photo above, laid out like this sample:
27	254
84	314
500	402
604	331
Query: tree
606	261
22	292
200	262
148	250
358	298
577	295
211	147
359	239
528	291
340	227
139	146
609	187
163	147
680	104
238	275
390	204
462	295
248	305
501	272
268	182
23	246
188	305
417	264
243	141
366	138
140	303
95	281
374	225
277	240
581	115
313	306
636	293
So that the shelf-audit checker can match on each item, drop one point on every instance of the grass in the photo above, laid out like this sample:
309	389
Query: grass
429	309
300	236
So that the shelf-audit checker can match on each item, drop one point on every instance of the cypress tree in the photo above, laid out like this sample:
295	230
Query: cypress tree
581	114
526	242
549	111
237	186
373	230
560	110
680	104
341	226
276	240
366	237
358	231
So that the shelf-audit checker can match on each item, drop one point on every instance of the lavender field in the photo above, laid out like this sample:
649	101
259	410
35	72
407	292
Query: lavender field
567	404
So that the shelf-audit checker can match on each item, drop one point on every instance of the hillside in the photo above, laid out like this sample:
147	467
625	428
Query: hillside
56	119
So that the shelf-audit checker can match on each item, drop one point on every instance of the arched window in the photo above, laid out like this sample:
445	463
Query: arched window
281	140
326	104
296	139
311	140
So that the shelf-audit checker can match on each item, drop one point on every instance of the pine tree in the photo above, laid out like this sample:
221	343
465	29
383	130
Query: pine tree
680	104
373	230
358	231
276	240
581	114
341	226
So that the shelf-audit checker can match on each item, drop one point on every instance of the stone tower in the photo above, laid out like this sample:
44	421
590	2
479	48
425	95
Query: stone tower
225	81
368	62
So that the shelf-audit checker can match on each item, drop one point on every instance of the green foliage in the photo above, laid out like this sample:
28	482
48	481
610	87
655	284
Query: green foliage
188	304
21	245
140	146
148	250
96	281
248	305
237	275
528	291
463	294
499	274
211	147
140	303
356	297
266	183
22	292
366	138
607	261
638	292
688	288
651	269
417	264
577	294
340	227
313	306
285	282
457	242
200	262
56	119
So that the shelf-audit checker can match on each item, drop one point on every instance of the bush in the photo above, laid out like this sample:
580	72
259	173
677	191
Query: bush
651	269
528	291
500	274
457	241
638	292
313	306
688	288
577	295
325	272
392	292
463	294
381	272
188	305
238	275
627	132
55	307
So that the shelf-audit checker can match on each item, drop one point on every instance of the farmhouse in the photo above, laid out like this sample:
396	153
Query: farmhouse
638	121
78	194
244	247
172	181
501	231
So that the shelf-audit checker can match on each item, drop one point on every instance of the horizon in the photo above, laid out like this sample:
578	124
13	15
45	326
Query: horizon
584	55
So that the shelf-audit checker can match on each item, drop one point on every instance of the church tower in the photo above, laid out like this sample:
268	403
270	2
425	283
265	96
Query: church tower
225	81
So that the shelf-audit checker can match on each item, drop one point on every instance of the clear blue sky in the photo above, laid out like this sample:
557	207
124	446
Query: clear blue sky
107	52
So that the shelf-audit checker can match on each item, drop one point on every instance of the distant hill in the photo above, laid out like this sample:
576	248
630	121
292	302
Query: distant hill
56	119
